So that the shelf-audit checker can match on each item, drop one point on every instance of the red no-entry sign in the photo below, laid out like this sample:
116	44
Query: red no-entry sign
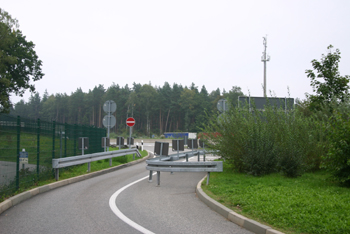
130	121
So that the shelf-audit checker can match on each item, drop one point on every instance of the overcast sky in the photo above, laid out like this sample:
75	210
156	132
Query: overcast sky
218	43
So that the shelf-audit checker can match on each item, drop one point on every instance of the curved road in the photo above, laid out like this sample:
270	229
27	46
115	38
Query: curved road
83	207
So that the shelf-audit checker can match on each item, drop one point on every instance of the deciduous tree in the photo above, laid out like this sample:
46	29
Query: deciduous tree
19	63
326	80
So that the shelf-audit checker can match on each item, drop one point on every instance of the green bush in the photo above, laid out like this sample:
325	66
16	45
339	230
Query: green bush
337	161
261	142
259	156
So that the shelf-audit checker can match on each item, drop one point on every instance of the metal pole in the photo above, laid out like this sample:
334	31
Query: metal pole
265	76
150	176
203	152
178	152
53	138
60	141
158	178
208	178
18	145
265	58
38	149
109	120
65	139
108	131
104	144
82	152
82	146
75	139
57	174
130	138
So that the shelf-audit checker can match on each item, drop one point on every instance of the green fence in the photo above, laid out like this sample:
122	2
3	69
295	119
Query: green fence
41	141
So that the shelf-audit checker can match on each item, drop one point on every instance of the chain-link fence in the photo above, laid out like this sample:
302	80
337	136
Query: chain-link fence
28	146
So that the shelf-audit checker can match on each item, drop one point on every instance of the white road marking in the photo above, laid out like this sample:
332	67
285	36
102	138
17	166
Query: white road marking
117	212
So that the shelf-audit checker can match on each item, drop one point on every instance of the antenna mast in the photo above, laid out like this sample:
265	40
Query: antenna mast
265	58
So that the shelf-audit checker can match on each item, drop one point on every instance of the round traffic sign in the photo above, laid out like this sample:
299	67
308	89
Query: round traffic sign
222	105
109	106
130	121
109	121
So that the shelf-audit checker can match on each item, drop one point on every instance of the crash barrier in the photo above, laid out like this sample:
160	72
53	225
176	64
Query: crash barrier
58	163
169	164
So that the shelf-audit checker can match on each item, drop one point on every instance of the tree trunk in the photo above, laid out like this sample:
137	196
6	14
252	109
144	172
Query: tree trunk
57	114
160	121
93	116
167	118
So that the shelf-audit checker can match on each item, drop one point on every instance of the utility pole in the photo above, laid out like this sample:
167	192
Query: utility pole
265	58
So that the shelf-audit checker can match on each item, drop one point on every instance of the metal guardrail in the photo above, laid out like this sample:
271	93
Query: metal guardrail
58	163
169	164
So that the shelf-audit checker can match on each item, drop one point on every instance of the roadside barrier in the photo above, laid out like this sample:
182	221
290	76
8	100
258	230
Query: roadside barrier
58	163
169	164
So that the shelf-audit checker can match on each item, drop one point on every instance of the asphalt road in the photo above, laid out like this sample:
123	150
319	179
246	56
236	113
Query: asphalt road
83	207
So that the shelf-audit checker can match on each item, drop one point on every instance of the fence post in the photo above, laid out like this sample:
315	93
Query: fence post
53	138
53	142
38	149
65	139
18	146
75	139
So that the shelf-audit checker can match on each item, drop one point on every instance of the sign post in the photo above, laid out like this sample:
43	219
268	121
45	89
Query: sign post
109	120
130	122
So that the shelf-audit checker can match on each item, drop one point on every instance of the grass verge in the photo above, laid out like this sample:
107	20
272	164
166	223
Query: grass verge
307	204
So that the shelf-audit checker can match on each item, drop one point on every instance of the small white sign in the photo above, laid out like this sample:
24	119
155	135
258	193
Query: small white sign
23	157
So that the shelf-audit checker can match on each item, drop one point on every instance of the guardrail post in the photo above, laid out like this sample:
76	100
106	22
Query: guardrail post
199	155
186	157
158	178
203	152
208	175
150	176
57	174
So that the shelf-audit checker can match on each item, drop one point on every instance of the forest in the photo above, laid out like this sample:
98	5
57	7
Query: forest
156	109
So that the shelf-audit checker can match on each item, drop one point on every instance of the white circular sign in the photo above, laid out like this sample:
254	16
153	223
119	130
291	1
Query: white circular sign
112	121
109	106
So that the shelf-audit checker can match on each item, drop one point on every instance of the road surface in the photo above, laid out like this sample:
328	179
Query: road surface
83	207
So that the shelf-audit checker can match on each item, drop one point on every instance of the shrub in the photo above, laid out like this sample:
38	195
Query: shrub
259	156
337	161
261	142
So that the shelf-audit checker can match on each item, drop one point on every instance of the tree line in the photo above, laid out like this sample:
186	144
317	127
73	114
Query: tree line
156	109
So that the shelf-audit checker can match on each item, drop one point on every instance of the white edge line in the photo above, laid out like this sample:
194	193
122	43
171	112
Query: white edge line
117	212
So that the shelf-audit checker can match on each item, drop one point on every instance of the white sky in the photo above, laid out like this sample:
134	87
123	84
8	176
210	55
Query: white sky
217	43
